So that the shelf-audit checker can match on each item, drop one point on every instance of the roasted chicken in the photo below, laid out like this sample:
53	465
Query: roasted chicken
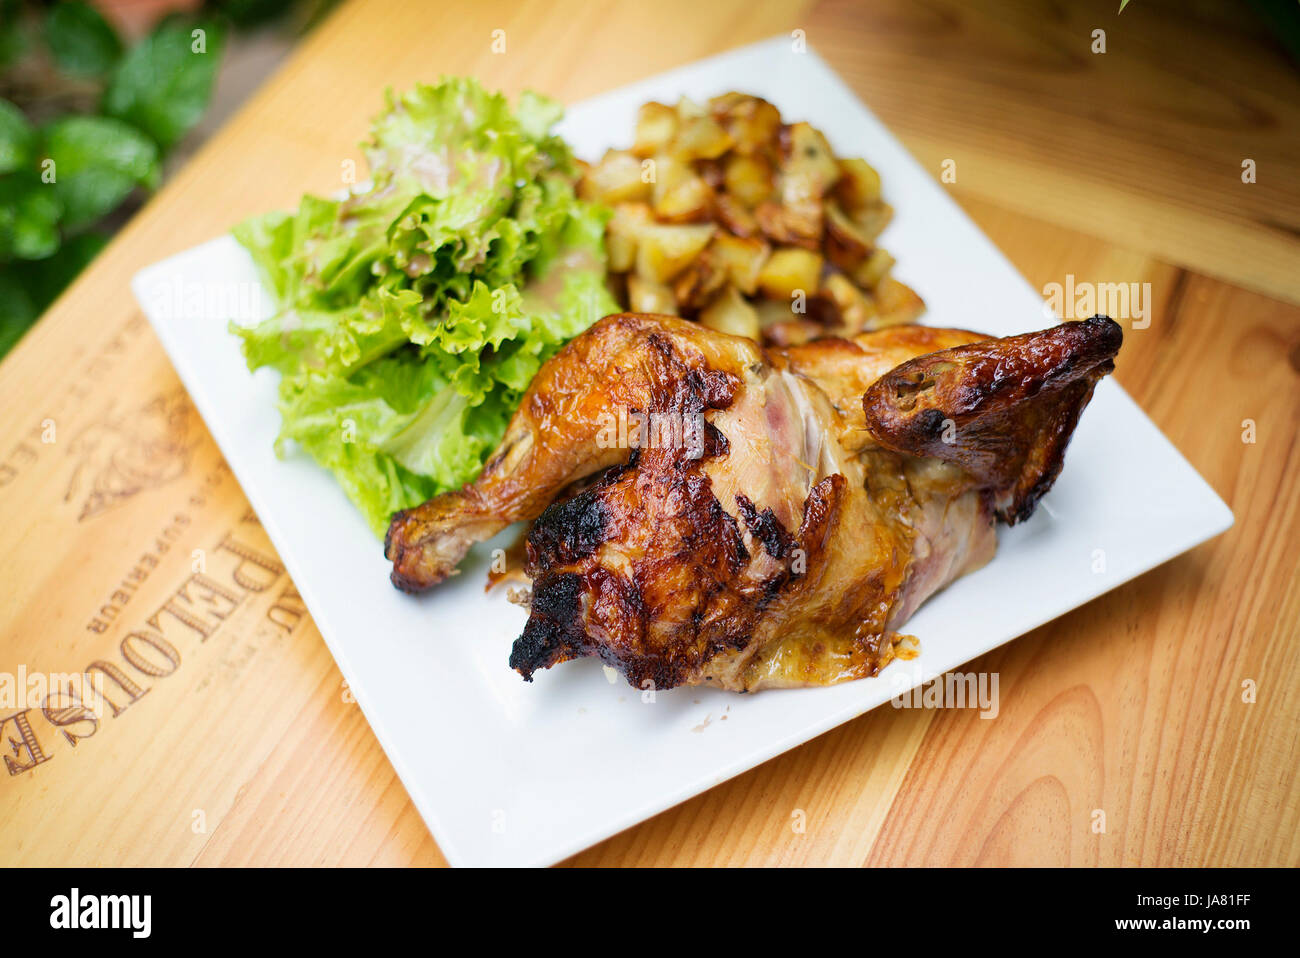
813	497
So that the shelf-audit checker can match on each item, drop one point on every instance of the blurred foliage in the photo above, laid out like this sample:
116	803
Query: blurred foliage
86	120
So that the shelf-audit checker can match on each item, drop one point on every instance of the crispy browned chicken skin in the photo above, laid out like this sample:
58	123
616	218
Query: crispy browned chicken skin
796	508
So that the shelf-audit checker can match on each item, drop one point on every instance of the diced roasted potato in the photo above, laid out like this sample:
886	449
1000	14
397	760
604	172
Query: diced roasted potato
725	103
896	303
701	138
854	307
649	296
792	332
664	250
753	123
873	269
688	109
873	220
712	171
687	201
666	172
741	258
722	213
734	217
808	167
748	179
792	224
859	185
772	311
846	246
789	270
697	285
615	179
730	313
621	234
656	125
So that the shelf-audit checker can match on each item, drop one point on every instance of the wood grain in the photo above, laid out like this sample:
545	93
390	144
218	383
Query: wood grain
1142	144
248	750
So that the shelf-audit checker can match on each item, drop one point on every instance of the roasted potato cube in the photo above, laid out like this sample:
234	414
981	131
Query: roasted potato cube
730	313
741	259
871	222
873	269
734	217
688	109
753	123
792	332
846	246
621	234
712	172
859	185
790	270
748	179
656	125
615	179
649	296
725	103
666	172
797	224
854	307
713	204
664	250
701	138
896	303
772	311
698	284
808	166
687	201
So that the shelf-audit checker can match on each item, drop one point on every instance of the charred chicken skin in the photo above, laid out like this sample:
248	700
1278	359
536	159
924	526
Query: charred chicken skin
817	495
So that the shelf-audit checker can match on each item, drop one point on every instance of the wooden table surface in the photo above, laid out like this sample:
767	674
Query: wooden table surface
1171	704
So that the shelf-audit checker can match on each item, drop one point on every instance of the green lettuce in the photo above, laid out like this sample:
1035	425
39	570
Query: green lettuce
412	314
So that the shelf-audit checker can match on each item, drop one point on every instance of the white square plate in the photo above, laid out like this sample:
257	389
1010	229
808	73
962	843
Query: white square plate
508	773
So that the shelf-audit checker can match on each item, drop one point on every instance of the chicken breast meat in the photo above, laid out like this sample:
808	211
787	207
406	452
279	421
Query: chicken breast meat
787	510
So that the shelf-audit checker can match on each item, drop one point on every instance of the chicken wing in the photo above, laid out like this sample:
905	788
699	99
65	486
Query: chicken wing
801	504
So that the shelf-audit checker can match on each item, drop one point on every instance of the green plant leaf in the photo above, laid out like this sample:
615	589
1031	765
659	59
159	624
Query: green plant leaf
247	14
17	313
97	162
163	84
13	32
29	217
81	41
47	278
17	138
27	290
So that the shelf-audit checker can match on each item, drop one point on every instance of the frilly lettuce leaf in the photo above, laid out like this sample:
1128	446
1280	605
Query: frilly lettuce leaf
412	314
